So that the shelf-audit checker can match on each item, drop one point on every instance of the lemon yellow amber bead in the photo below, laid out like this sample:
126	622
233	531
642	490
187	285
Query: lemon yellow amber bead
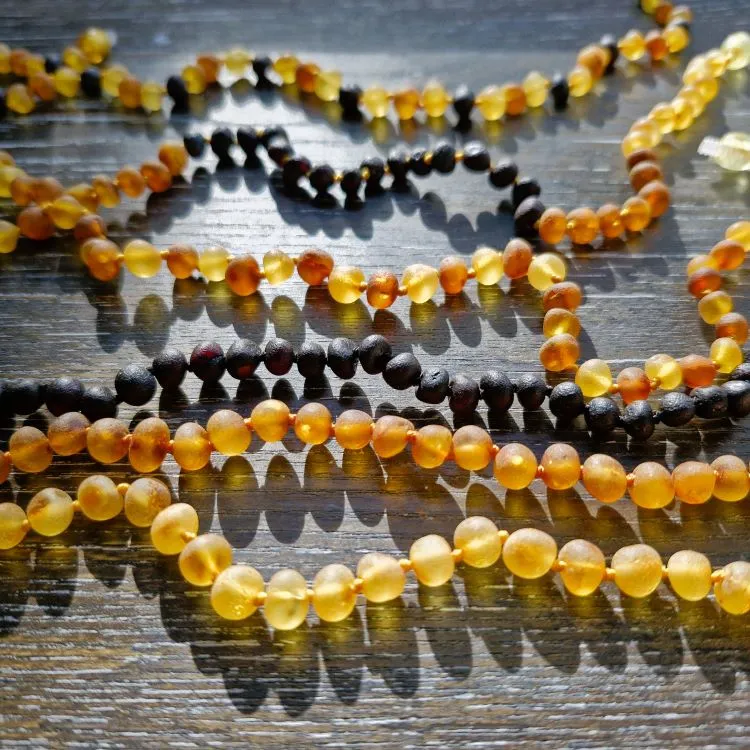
632	46
478	539
638	570
30	450
312	424
582	567
739	232
277	266
270	420
545	270
491	103
9	234
515	466
50	511
95	44
435	99
8	173
65	212
733	588
683	113
529	553
67	81
111	78
236	591
334	595
383	578
286	66
665	370
195	79
713	306
286	601
432	445
604	478
421	282
535	86
237	60
345	284
18	99
173	528
594	378
689	574
213	263
152	96
142	259
737	48
13	525
144	499
664	116
375	101
488	265
726	354
676	38
558	320
328	85
98	498
580	81
432	560
228	432
203	558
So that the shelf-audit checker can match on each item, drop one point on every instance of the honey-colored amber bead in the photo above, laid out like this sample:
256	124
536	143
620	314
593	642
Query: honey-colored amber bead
515	466
142	259
728	254
656	46
564	294
561	466
13	525
689	574
383	578
243	275
421	282
382	289
717	61
683	113
191	446
491	103
98	498
515	99
228	432
174	157
286	67
663	115
95	44
75	59
406	103
34	223
144	499
183	261
102	258
306	77
203	558
390	435
635	140
345	284
699	261
643	173
545	270
558	320
535	86
17	61
648	130
8	173
213	263
594	378
432	445
314	266
529	553
173	528
595	58
328	85
712	306
633	385
334	595
270	420
432	560
67	81
453	275
610	221
152	96
435	99
34	65
44	190
375	101
732	588
67	433
43	85
277	266
50	511
580	81
559	352
157	176
734	326
582	567
210	65
739	232
353	429
487	264
194	78
517	257
85	195
697	370
676	38
30	450
286	602
708	88
236	591
703	281
129	92
9	234
312	425
107	440
632	46
665	370
638	570
111	77
604	478
479	542
22	189
694	98
18	99
65	212
149	444
693	482
650	485
553	225
657	195
472	448
726	354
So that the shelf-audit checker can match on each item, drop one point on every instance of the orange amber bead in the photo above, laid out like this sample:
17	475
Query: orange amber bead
67	434
643	173
157	176
34	223
604	478
149	445
633	385
561	466
22	190
642	154
312	425
697	370
559	352
210	65
732	479
517	257
472	448
46	189
102	257
29	449
174	157
698	262
595	58
406	103
515	466
703	281
558	320
656	46
107	440
306	77
635	214
390	435
565	294
727	255
314	266
243	275
106	190
43	86
552	225
453	275
515	99
657	195
182	261
270	420
382	289
732	325
353	429
583	226
693	482
432	445
129	92
610	221
131	182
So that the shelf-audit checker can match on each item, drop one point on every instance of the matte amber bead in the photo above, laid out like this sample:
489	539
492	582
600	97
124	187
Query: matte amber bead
582	567
638	570
30	450
693	482
545	270
561	466
650	485
34	223
435	99
529	553
314	266
13	525
286	602
390	435
564	294
559	352
203	558
553	225
328	85
243	275
726	355
703	281
270	420
689	574
453	275
739	232
111	77
22	189
432	560
487	264
131	182
173	528
228	432
375	101
406	103
515	466
633	385
213	263
421	282
382	289
664	370
107	440
699	261
142	259
515	99
191	446
65	212
643	173
595	58
286	66
334	595
129	92
604	478
594	378
635	214
44	190
732	325
732	589
144	499
149	444
50	511
732	480
174	156
472	448
658	197
313	423
102	257
236	591
582	226
479	542
663	115
431	446
697	370
383	578
345	284
491	103
157	176
98	498
183	261
67	433
727	254
580	81
353	429
517	257
712	306
610	221
559	320
306	77
85	195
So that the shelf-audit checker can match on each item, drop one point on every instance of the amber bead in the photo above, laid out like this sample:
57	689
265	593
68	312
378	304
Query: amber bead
683	113
487	264
194	78
243	275
431	446
203	558
699	261
8	173
739	232
390	435
9	234
44	190
656	46
559	352
595	58
306	75
375	101
657	195
22	189
632	46
213	263
406	103
435	99
345	284
353	429
286	66
149	444
633	384
663	115
210	65
43	85
98	498
328	85
515	466
732	325
334	595
697	370
726	354
515	99
17	61
432	560
479	542
157	176
565	294
111	77
236	592
561	466
67	81
472	448
312	424
144	500
604	478
129	92
553	225
545	270
191	446
421	282
703	281
30	450
559	320
67	433
85	195
314	266
237	59
582	567
732	588
18	99
635	214
491	103
182	261
107	440
580	81
286	602
173	528
13	525
65	212
529	553
732	480
610	221
650	485
102	258
270	420
228	432
594	378
34	223
174	157
689	574
383	578
382	289
638	570
714	305
50	511
453	275
517	257
95	44
693	482
142	259
728	254
131	182
582	226
643	173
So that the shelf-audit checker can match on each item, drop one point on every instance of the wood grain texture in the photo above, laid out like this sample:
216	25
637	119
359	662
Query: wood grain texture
101	645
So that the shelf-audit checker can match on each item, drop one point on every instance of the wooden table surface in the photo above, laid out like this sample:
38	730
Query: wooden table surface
102	645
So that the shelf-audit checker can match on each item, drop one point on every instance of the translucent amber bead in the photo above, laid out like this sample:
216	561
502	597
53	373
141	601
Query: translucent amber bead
488	265
13	525
643	173
107	440
157	176
656	46
535	86
406	103
732	480
708	88
67	81
142	259
30	450
733	588
306	77
561	466
382	289
270	420
213	263
34	223
595	58
529	553
50	511
638	570
345	284
717	60
664	116
582	567
665	370
553	226
65	212
610	221
713	306
695	100
739	232
129	92
699	262
545	270
334	595
43	85
243	275
149	445
228	432
633	385
432	560
558	321
390	435
565	294
734	326
111	77
210	65
693	482
375	101
312	425
472	448
85	195
191	446
432	445
650	485
582	226
435	99
727	255
144	499
236	591
98	498
604	478
74	58
353	429
594	378
648	130
383	578
559	352
634	141
515	466
18	99
5	466
491	103
453	275
479	542
203	558
152	96
8	173
517	258
102	258
286	601
173	528
22	189
183	261
44	190
286	66
726	354
67	433
689	574
421	282
515	99
697	370
657	195
314	266
683	113
174	157
737	47
9	234
676	38
237	60
17	61
195	79
580	81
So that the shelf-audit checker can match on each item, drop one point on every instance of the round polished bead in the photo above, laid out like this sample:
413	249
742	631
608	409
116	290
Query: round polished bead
191	446
638	570
561	466
604	478
582	567
594	378
312	424
651	486
13	525
559	352
173	527
353	429
98	498
236	591
270	420
515	466
390	435
30	450
149	444
203	558
67	434
50	511
733	588
228	432
383	578
664	370
286	602
421	282
610	221
346	284
432	560
334	595
432	445
529	553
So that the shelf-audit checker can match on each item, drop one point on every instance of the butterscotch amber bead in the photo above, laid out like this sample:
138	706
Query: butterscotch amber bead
50	511
739	232
243	275
604	478
173	528
306	76
487	264
610	221
345	284
732	589
95	44
107	440
406	103
375	101
67	81
693	482
703	281
699	261
472	448
663	115
236	591
515	99
734	326
144	500
157	176
635	214
432	560
67	433
632	46
431	446
390	435
421	282
22	189
312	425
142	259
435	99
18	99
334	595
228	432
174	157
656	45
553	225
102	258
237	60
694	98
277	266
182	261
638	570
270	420
529	553
65	212
479	542
85	195
129	92
152	96
491	103
732	480
149	444
545	270
559	320
98	498
286	603
203	558
383	578
9	234
44	190
210	65
515	466
353	429
633	384
314	266
707	88
595	58
712	306
517	258
559	352
8	173
453	275
580	81
594	378
13	525
286	66
650	485
43	85
382	289
131	182
191	446
689	574
726	354
195	79
561	466
697	370
582	567
643	173
34	223
30	450
213	263
662	13
17	61
657	195
565	294
727	254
